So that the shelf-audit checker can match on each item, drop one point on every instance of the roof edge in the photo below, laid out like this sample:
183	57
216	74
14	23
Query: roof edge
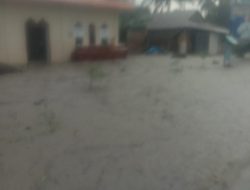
108	4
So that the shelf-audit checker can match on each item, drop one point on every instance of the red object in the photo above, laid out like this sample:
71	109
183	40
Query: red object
99	53
109	4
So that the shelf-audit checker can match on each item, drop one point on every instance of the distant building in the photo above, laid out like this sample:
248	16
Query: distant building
49	30
185	32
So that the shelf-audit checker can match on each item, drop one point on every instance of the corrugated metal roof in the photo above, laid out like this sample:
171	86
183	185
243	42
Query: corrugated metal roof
113	4
182	19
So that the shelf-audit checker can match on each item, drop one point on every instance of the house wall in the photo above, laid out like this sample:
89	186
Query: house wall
167	39
213	45
196	41
183	42
61	21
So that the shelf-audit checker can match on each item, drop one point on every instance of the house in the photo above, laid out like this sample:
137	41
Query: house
185	32
34	31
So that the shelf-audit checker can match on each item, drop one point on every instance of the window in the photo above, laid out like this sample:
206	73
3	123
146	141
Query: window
104	34
78	33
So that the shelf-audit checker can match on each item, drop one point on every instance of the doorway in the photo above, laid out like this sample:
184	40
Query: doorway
37	41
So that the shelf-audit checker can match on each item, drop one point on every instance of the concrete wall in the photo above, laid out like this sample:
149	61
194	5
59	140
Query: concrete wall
61	22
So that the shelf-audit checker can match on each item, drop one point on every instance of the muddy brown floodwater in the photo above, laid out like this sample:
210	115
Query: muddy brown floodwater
148	123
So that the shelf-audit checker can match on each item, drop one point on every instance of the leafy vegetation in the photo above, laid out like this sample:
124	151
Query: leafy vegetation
158	5
135	20
51	122
95	73
217	11
161	6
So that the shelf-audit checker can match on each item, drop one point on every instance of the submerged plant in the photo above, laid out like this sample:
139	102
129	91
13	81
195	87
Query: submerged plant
50	121
95	73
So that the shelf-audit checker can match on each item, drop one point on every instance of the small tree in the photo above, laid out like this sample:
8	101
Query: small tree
95	73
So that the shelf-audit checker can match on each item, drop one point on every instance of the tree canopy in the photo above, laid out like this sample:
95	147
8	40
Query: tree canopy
217	11
136	19
160	6
157	6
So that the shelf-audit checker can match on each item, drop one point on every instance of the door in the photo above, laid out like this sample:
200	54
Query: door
37	41
201	42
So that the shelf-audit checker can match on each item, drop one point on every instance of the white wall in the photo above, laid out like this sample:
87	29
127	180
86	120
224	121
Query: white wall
61	22
213	47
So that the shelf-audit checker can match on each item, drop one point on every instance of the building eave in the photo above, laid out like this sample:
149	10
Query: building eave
103	4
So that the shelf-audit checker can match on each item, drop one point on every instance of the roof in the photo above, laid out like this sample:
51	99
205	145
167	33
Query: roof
183	19
111	4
